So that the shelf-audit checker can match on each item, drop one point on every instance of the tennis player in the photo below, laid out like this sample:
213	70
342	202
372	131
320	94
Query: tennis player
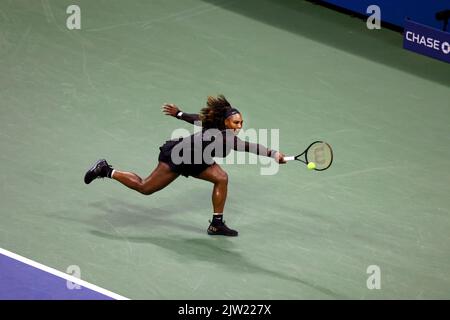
193	156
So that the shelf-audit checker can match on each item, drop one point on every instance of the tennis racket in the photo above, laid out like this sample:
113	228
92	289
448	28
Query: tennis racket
318	152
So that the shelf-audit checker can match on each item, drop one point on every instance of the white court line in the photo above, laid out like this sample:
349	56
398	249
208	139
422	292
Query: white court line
63	275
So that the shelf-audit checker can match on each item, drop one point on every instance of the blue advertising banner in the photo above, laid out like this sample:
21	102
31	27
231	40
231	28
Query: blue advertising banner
427	41
396	11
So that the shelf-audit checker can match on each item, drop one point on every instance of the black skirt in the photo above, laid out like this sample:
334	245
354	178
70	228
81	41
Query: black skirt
182	168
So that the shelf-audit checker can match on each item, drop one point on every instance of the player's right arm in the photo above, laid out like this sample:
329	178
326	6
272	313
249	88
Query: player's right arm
171	109
255	148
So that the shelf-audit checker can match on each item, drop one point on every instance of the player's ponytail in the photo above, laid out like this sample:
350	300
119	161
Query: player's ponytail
214	114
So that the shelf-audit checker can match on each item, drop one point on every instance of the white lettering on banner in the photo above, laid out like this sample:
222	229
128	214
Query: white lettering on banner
425	41
446	47
422	41
436	45
408	33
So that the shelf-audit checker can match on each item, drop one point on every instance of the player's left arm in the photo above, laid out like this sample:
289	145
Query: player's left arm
171	109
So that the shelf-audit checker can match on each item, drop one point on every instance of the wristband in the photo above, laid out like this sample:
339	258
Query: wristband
179	114
272	153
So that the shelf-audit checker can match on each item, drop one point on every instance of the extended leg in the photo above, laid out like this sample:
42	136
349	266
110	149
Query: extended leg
158	179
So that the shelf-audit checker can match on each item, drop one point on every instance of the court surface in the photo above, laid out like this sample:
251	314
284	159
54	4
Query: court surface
70	97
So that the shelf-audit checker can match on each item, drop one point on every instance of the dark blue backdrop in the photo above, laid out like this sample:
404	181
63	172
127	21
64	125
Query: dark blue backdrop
395	11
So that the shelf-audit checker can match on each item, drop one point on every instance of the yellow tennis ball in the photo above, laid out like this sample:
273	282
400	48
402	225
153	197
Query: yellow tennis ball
311	165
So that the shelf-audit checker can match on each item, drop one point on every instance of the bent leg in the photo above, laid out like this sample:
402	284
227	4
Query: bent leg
216	175
158	179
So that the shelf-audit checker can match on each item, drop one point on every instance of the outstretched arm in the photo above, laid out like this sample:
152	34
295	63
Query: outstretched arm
256	148
171	109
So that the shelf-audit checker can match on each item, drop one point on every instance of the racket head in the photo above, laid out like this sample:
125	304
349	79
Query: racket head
321	154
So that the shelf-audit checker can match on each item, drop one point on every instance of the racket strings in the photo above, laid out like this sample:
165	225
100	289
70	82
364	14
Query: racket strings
321	154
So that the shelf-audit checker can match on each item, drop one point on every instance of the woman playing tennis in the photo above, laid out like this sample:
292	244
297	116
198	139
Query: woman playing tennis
193	156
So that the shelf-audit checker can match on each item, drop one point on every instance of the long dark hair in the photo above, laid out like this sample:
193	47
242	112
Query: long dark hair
213	115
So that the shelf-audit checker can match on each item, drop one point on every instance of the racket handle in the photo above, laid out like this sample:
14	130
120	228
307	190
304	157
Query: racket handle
289	158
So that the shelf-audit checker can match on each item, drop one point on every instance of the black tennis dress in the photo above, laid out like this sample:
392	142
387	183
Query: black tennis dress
190	156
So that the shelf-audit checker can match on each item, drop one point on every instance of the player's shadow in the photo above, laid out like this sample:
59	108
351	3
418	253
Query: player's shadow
121	214
220	251
334	29
115	213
